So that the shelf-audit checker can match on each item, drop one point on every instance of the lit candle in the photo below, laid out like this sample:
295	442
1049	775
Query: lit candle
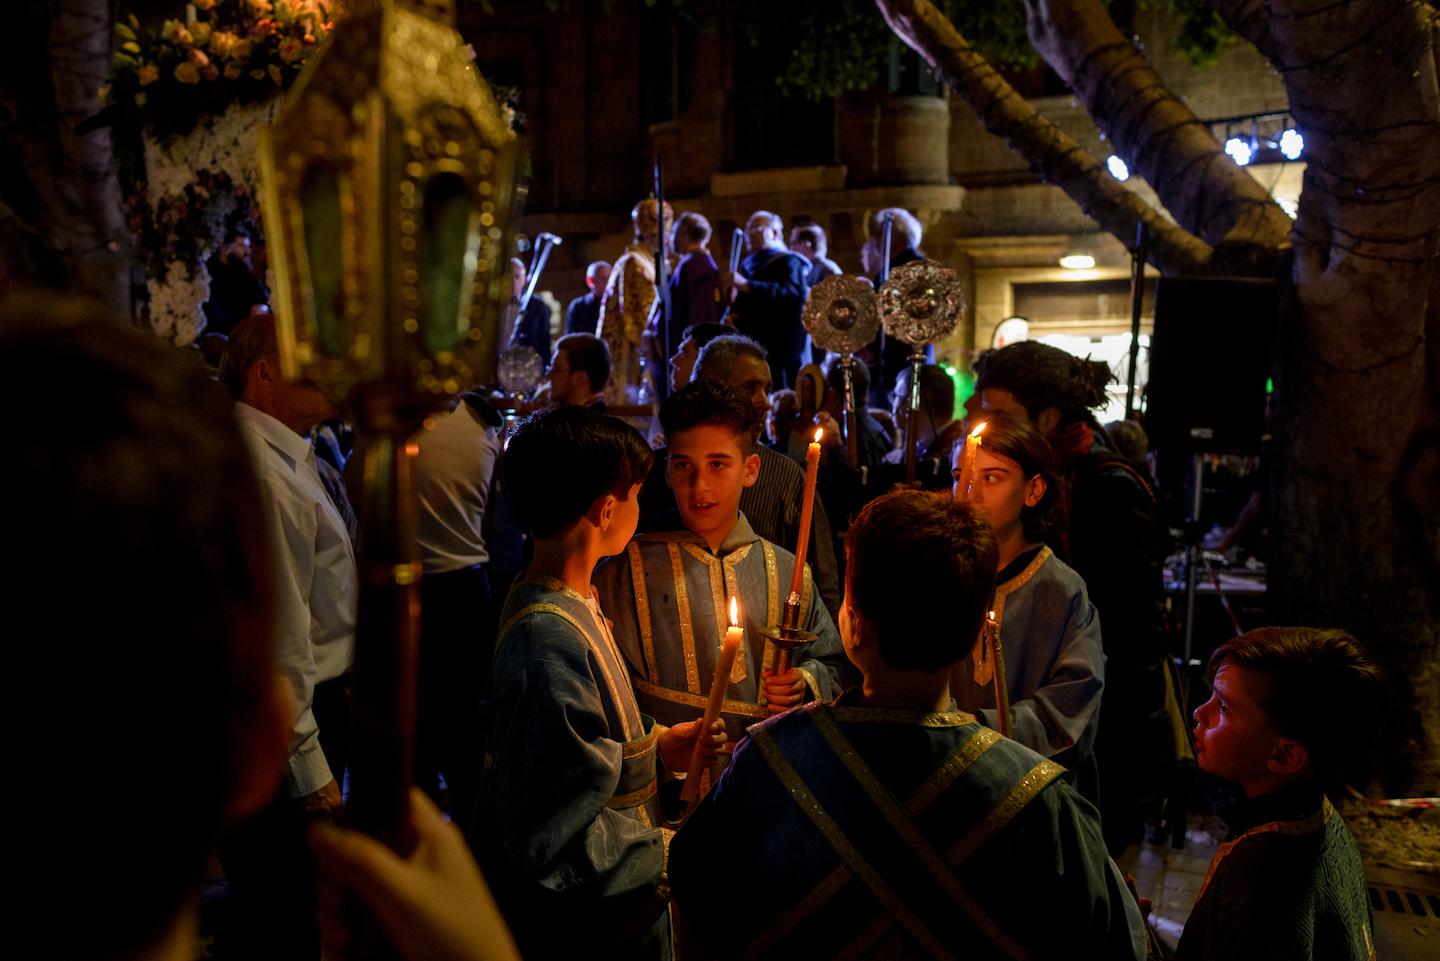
728	650
807	508
967	464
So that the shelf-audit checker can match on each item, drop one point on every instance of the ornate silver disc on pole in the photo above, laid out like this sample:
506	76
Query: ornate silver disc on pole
842	314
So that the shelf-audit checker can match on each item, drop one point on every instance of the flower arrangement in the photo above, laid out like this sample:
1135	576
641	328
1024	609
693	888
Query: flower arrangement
225	52
180	229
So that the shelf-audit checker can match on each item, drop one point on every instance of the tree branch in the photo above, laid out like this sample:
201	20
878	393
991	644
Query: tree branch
1055	155
1251	20
1158	135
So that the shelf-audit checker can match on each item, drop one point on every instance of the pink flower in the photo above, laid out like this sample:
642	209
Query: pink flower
291	50
183	37
198	58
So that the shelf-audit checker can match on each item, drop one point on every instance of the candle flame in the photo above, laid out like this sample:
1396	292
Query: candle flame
734	612
819	433
978	428
991	615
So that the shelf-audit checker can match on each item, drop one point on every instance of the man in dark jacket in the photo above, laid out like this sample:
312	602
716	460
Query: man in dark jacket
583	314
533	329
905	233
770	296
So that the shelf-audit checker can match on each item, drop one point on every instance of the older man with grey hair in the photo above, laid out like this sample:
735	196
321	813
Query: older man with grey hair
769	295
905	234
772	503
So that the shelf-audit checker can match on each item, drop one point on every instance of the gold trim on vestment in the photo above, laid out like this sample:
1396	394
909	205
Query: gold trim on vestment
634	799
832	833
806	585
642	610
901	823
599	656
772	605
682	609
1000	815
949	769
1307	825
727	706
640	745
885	715
1015	583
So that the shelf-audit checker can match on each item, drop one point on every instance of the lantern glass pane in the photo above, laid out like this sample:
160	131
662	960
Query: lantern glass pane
449	244
320	205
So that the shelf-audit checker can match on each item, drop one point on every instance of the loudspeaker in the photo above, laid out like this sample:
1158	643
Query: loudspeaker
1210	357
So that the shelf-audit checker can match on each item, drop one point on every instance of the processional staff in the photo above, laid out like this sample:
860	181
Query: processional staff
388	193
842	316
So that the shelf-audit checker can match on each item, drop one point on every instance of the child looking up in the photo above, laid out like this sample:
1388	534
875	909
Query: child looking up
1049	631
567	820
887	824
1288	882
670	591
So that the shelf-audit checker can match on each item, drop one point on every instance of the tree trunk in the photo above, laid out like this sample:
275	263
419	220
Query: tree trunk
76	195
1054	154
1355	510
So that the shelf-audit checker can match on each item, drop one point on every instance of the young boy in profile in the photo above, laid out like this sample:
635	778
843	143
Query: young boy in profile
1288	882
669	593
567	823
888	824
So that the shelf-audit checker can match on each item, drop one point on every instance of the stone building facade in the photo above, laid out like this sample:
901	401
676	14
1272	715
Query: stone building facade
608	87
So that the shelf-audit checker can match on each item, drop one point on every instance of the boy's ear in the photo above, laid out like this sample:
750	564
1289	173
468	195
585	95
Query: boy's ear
1034	491
1288	757
752	470
602	512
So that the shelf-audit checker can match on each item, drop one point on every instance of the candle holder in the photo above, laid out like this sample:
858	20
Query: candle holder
786	639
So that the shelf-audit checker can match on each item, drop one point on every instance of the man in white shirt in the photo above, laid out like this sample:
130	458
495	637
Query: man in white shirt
457	619
316	587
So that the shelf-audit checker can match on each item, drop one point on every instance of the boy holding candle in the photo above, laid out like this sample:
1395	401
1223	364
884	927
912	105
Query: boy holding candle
888	824
567	823
670	590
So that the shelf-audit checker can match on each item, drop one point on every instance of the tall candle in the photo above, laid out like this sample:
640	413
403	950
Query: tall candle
807	508
728	649
967	463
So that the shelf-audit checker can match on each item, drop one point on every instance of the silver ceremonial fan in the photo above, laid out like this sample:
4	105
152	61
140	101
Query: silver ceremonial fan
520	370
841	315
921	302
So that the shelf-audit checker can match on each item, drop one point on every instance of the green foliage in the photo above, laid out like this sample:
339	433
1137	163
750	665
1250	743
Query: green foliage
1204	35
840	49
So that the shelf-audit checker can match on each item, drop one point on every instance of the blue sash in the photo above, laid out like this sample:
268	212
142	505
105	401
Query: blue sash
896	867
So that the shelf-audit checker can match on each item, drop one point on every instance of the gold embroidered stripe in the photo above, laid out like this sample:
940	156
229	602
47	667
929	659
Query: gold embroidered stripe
903	826
640	745
889	716
634	798
560	612
743	708
832	833
951	768
1020	795
1306	825
828	887
1015	583
805	585
682	609
642	610
772	603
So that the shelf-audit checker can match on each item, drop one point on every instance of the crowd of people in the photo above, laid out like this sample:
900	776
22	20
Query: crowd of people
856	796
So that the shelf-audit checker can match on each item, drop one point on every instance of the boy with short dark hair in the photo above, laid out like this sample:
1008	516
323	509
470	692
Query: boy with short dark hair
670	592
1288	882
567	822
888	824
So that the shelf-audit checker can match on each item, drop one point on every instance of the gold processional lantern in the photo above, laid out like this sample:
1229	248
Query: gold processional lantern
920	303
388	193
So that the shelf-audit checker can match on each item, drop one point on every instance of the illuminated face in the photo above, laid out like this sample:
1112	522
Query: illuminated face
599	279
760	235
1233	737
1001	489
708	469
682	362
517	280
999	399
752	375
567	385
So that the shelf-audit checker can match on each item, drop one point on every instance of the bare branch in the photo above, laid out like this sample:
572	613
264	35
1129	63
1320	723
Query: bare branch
1059	158
1251	20
1158	135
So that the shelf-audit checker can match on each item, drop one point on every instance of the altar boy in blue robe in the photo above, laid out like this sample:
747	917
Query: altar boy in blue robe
669	592
887	823
566	827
